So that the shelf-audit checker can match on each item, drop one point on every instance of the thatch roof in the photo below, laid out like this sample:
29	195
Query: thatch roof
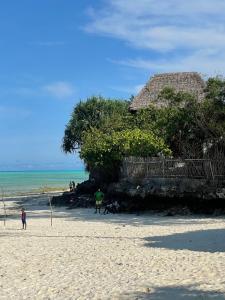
190	82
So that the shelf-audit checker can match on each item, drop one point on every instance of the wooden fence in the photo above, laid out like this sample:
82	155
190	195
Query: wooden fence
135	167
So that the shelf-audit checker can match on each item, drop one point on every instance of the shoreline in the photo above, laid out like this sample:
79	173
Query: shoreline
20	183
34	194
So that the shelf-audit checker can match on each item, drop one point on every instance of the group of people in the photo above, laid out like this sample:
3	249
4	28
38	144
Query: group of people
72	186
110	207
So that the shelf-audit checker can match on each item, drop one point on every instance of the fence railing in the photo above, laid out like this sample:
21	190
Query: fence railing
135	167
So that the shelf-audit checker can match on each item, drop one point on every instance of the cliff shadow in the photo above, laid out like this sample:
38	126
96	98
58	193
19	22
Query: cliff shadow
211	240
133	219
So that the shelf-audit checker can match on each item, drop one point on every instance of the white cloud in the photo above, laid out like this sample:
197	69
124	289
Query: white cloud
163	25
204	62
60	89
191	33
165	7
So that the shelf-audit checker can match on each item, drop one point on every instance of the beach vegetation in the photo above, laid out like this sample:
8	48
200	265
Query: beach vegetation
104	131
107	150
95	112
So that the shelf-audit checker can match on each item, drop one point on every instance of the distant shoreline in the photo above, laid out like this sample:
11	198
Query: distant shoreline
34	194
28	171
29	183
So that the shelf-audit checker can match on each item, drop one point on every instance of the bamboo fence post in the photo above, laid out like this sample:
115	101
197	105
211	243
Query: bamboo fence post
4	207
50	203
165	168
211	169
163	163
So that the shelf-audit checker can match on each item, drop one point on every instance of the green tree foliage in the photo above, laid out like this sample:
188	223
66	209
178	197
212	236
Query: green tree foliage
96	112
175	122
184	123
105	131
103	150
172	98
211	113
215	90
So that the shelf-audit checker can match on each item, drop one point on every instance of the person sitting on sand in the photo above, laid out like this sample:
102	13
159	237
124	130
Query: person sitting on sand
99	196
112	207
24	218
108	208
116	206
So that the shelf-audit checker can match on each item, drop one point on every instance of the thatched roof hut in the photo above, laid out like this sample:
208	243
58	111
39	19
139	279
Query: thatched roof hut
190	82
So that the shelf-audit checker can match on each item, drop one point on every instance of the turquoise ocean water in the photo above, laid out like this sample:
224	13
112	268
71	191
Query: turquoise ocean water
23	183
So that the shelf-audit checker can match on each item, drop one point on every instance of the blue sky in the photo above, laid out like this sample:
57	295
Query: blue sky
56	52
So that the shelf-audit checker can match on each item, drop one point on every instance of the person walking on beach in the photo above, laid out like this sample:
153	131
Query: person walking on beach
99	196
24	218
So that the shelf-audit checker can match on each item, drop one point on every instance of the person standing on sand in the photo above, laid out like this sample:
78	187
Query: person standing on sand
99	196
73	186
24	218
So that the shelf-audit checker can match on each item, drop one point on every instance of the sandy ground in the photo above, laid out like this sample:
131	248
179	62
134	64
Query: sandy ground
88	256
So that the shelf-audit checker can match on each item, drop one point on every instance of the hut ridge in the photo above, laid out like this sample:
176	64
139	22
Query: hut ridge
190	82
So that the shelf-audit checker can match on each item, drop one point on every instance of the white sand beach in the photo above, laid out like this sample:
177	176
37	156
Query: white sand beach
124	256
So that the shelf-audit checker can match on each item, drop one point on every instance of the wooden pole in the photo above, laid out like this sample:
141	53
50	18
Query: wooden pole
4	207
211	169
163	165
50	204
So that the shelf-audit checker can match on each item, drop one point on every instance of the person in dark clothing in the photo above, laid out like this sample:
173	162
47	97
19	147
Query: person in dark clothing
116	206
71	186
108	208
24	218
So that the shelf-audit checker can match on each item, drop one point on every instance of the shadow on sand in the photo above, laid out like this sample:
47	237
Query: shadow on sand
210	240
86	214
174	293
122	219
36	208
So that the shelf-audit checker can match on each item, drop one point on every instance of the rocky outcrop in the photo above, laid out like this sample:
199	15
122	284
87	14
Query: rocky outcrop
171	196
160	194
172	187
